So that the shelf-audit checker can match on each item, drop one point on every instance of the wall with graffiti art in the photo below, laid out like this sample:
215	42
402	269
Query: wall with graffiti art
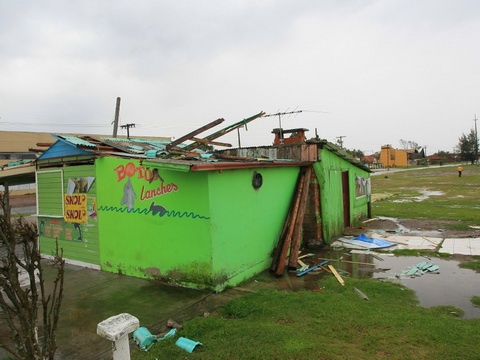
67	213
154	220
202	229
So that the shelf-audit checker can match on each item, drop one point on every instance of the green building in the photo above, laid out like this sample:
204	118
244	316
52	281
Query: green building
208	221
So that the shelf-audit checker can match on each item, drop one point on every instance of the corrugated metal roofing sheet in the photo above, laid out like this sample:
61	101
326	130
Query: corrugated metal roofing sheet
76	140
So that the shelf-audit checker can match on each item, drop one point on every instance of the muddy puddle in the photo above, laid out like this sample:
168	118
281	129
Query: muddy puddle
449	285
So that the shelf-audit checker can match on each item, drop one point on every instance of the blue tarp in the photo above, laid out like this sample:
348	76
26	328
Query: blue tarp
369	243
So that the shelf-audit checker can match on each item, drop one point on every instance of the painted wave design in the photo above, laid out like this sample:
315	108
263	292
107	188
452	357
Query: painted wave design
155	210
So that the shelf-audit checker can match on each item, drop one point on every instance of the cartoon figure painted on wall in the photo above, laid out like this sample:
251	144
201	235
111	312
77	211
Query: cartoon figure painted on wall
79	230
41	228
151	186
92	209
129	195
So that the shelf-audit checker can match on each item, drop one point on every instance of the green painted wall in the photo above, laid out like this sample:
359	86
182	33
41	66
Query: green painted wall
79	240
329	173
210	229
153	228
246	222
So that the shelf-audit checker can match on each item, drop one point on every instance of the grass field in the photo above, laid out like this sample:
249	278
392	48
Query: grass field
431	193
337	323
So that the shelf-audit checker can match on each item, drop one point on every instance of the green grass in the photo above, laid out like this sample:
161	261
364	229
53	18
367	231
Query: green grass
335	324
420	252
473	265
400	195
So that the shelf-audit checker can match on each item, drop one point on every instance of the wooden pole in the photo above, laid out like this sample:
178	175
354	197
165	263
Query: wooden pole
281	240
117	114
297	234
291	226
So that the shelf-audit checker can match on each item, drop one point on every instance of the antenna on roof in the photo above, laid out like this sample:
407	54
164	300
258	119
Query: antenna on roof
279	114
127	126
340	140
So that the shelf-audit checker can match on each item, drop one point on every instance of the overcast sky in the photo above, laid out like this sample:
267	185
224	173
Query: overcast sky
372	71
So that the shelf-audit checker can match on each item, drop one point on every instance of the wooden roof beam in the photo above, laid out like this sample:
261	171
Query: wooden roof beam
193	133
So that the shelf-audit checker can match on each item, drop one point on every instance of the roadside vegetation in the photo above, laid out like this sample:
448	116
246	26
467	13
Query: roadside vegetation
337	323
29	310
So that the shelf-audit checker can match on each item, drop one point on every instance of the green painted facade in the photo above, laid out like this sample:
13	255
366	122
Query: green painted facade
202	229
329	173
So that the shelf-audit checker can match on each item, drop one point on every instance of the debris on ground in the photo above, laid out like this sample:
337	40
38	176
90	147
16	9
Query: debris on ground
144	339
365	242
421	268
172	324
187	344
361	294
337	275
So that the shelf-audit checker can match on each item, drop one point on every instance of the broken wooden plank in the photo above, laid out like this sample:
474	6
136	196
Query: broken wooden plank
423	237
281	240
216	143
298	226
348	261
337	275
326	269
186	153
306	255
288	237
225	130
301	263
193	133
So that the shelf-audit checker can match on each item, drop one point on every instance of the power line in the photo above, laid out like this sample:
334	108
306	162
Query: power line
52	124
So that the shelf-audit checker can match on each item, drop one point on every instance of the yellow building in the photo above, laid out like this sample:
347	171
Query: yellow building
391	157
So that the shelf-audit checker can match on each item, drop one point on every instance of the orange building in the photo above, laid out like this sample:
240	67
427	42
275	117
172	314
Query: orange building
391	157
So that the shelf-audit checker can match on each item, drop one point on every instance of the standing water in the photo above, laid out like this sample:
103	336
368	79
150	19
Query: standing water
449	285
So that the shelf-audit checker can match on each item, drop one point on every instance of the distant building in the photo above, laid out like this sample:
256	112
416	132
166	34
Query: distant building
391	157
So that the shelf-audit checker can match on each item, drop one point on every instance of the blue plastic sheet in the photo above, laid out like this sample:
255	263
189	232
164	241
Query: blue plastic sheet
369	243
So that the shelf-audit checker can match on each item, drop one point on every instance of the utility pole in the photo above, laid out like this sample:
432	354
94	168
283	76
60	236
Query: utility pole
127	126
476	140
340	140
115	122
